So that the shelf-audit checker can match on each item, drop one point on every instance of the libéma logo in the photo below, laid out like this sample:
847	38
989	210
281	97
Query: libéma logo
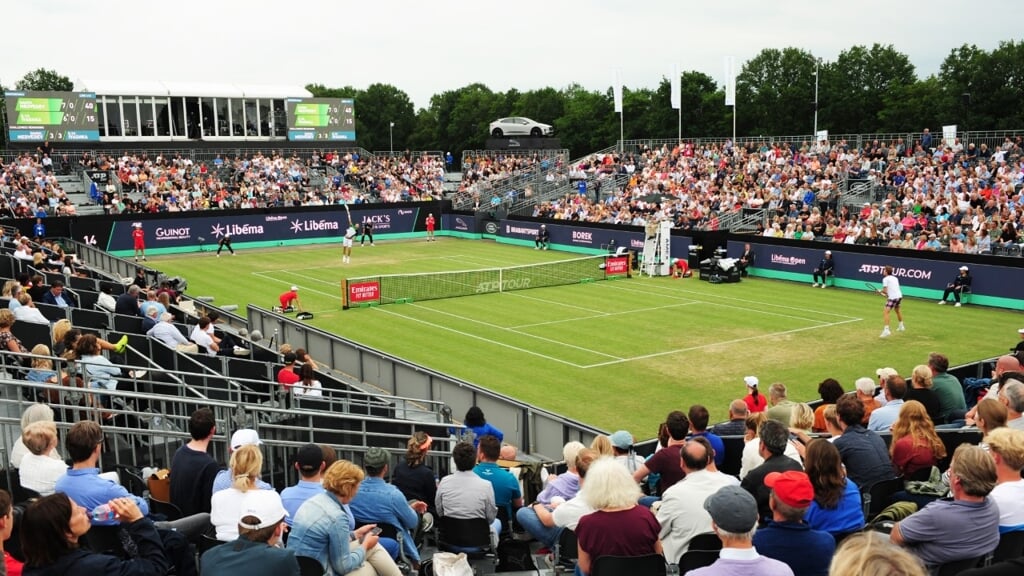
313	225
788	260
218	230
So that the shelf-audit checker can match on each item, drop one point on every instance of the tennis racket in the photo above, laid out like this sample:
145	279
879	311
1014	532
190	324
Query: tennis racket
347	213
873	288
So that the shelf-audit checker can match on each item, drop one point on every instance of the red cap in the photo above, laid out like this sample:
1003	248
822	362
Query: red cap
793	488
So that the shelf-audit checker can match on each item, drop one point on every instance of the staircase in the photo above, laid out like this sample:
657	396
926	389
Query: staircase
76	188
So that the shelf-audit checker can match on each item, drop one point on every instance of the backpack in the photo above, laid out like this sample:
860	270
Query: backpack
514	556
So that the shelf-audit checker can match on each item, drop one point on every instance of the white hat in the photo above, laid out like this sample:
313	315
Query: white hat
295	288
964	268
245	437
751	381
886	372
137	224
264	505
828	252
1021	331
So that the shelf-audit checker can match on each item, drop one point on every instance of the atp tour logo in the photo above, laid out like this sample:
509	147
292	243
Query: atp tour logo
915	273
218	230
503	285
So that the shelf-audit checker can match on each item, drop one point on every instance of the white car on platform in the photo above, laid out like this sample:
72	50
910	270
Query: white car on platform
519	126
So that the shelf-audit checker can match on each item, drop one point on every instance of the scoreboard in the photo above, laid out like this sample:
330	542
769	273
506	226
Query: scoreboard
53	116
330	119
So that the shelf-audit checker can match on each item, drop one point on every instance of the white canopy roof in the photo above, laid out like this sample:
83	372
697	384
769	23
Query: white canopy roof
157	88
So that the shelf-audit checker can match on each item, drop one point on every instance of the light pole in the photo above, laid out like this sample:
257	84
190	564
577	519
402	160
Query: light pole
391	138
817	61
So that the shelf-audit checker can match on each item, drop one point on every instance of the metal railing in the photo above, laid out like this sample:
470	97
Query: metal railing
534	430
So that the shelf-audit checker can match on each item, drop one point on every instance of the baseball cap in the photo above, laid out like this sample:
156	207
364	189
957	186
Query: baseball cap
751	381
828	252
245	437
886	372
964	268
309	457
1021	331
376	458
621	439
792	487
733	509
264	505
295	288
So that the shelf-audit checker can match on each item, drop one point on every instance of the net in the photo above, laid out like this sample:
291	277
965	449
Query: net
392	288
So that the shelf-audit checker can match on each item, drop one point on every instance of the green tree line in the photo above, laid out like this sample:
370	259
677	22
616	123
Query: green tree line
872	89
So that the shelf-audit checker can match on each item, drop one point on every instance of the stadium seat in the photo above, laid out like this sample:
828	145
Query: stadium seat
310	566
649	565
877	496
957	566
1011	545
702	551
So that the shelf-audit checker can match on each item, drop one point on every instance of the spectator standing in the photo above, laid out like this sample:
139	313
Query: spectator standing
192	468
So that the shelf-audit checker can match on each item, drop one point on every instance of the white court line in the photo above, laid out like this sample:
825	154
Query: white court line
735	341
759	303
474	336
290	283
605	315
555	302
513	330
341	267
752	310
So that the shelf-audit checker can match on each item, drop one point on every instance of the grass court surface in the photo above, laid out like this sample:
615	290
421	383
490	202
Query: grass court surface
615	354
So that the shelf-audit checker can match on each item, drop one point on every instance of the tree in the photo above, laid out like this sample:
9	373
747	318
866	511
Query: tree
377	107
45	80
775	93
589	122
852	90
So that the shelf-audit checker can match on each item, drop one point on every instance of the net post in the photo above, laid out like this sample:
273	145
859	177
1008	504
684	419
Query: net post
629	263
344	294
501	278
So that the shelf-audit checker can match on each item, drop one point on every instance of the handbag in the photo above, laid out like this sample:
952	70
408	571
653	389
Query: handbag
448	564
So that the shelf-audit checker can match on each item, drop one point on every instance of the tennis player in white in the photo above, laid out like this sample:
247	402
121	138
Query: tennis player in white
893	296
350	234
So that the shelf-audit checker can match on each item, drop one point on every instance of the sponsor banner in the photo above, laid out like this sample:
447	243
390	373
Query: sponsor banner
258	227
586	237
459	223
616	266
100	177
363	292
912	272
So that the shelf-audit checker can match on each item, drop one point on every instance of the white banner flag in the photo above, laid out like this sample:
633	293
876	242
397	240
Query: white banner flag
677	89
949	135
730	80
617	91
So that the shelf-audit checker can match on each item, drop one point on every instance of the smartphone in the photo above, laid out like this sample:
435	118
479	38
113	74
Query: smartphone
375	531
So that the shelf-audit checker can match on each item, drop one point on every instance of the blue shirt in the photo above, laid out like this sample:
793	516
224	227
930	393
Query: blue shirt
506	487
716	443
847	516
320	530
808	552
294	496
377	502
89	490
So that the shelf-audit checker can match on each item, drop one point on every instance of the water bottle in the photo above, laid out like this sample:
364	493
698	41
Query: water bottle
103	513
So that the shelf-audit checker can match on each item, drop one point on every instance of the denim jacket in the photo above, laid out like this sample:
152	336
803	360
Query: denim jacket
320	530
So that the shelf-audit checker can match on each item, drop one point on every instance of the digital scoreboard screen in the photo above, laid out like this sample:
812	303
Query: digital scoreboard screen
321	119
53	116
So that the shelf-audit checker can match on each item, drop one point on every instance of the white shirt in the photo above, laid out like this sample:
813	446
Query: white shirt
1009	496
892	287
752	457
40	473
30	314
202	337
314	389
568	513
19	451
225	510
167	333
682	515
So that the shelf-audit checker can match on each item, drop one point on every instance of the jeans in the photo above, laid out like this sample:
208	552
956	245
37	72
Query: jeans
547	535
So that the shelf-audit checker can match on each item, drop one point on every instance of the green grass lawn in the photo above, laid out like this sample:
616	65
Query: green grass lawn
616	354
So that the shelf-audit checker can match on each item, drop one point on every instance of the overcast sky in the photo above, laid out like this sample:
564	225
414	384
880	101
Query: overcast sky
425	48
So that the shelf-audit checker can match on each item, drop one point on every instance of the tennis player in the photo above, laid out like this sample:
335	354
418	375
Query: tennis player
139	241
893	297
350	235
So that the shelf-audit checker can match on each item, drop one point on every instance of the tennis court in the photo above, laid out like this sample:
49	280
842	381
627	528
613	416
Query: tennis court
614	353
